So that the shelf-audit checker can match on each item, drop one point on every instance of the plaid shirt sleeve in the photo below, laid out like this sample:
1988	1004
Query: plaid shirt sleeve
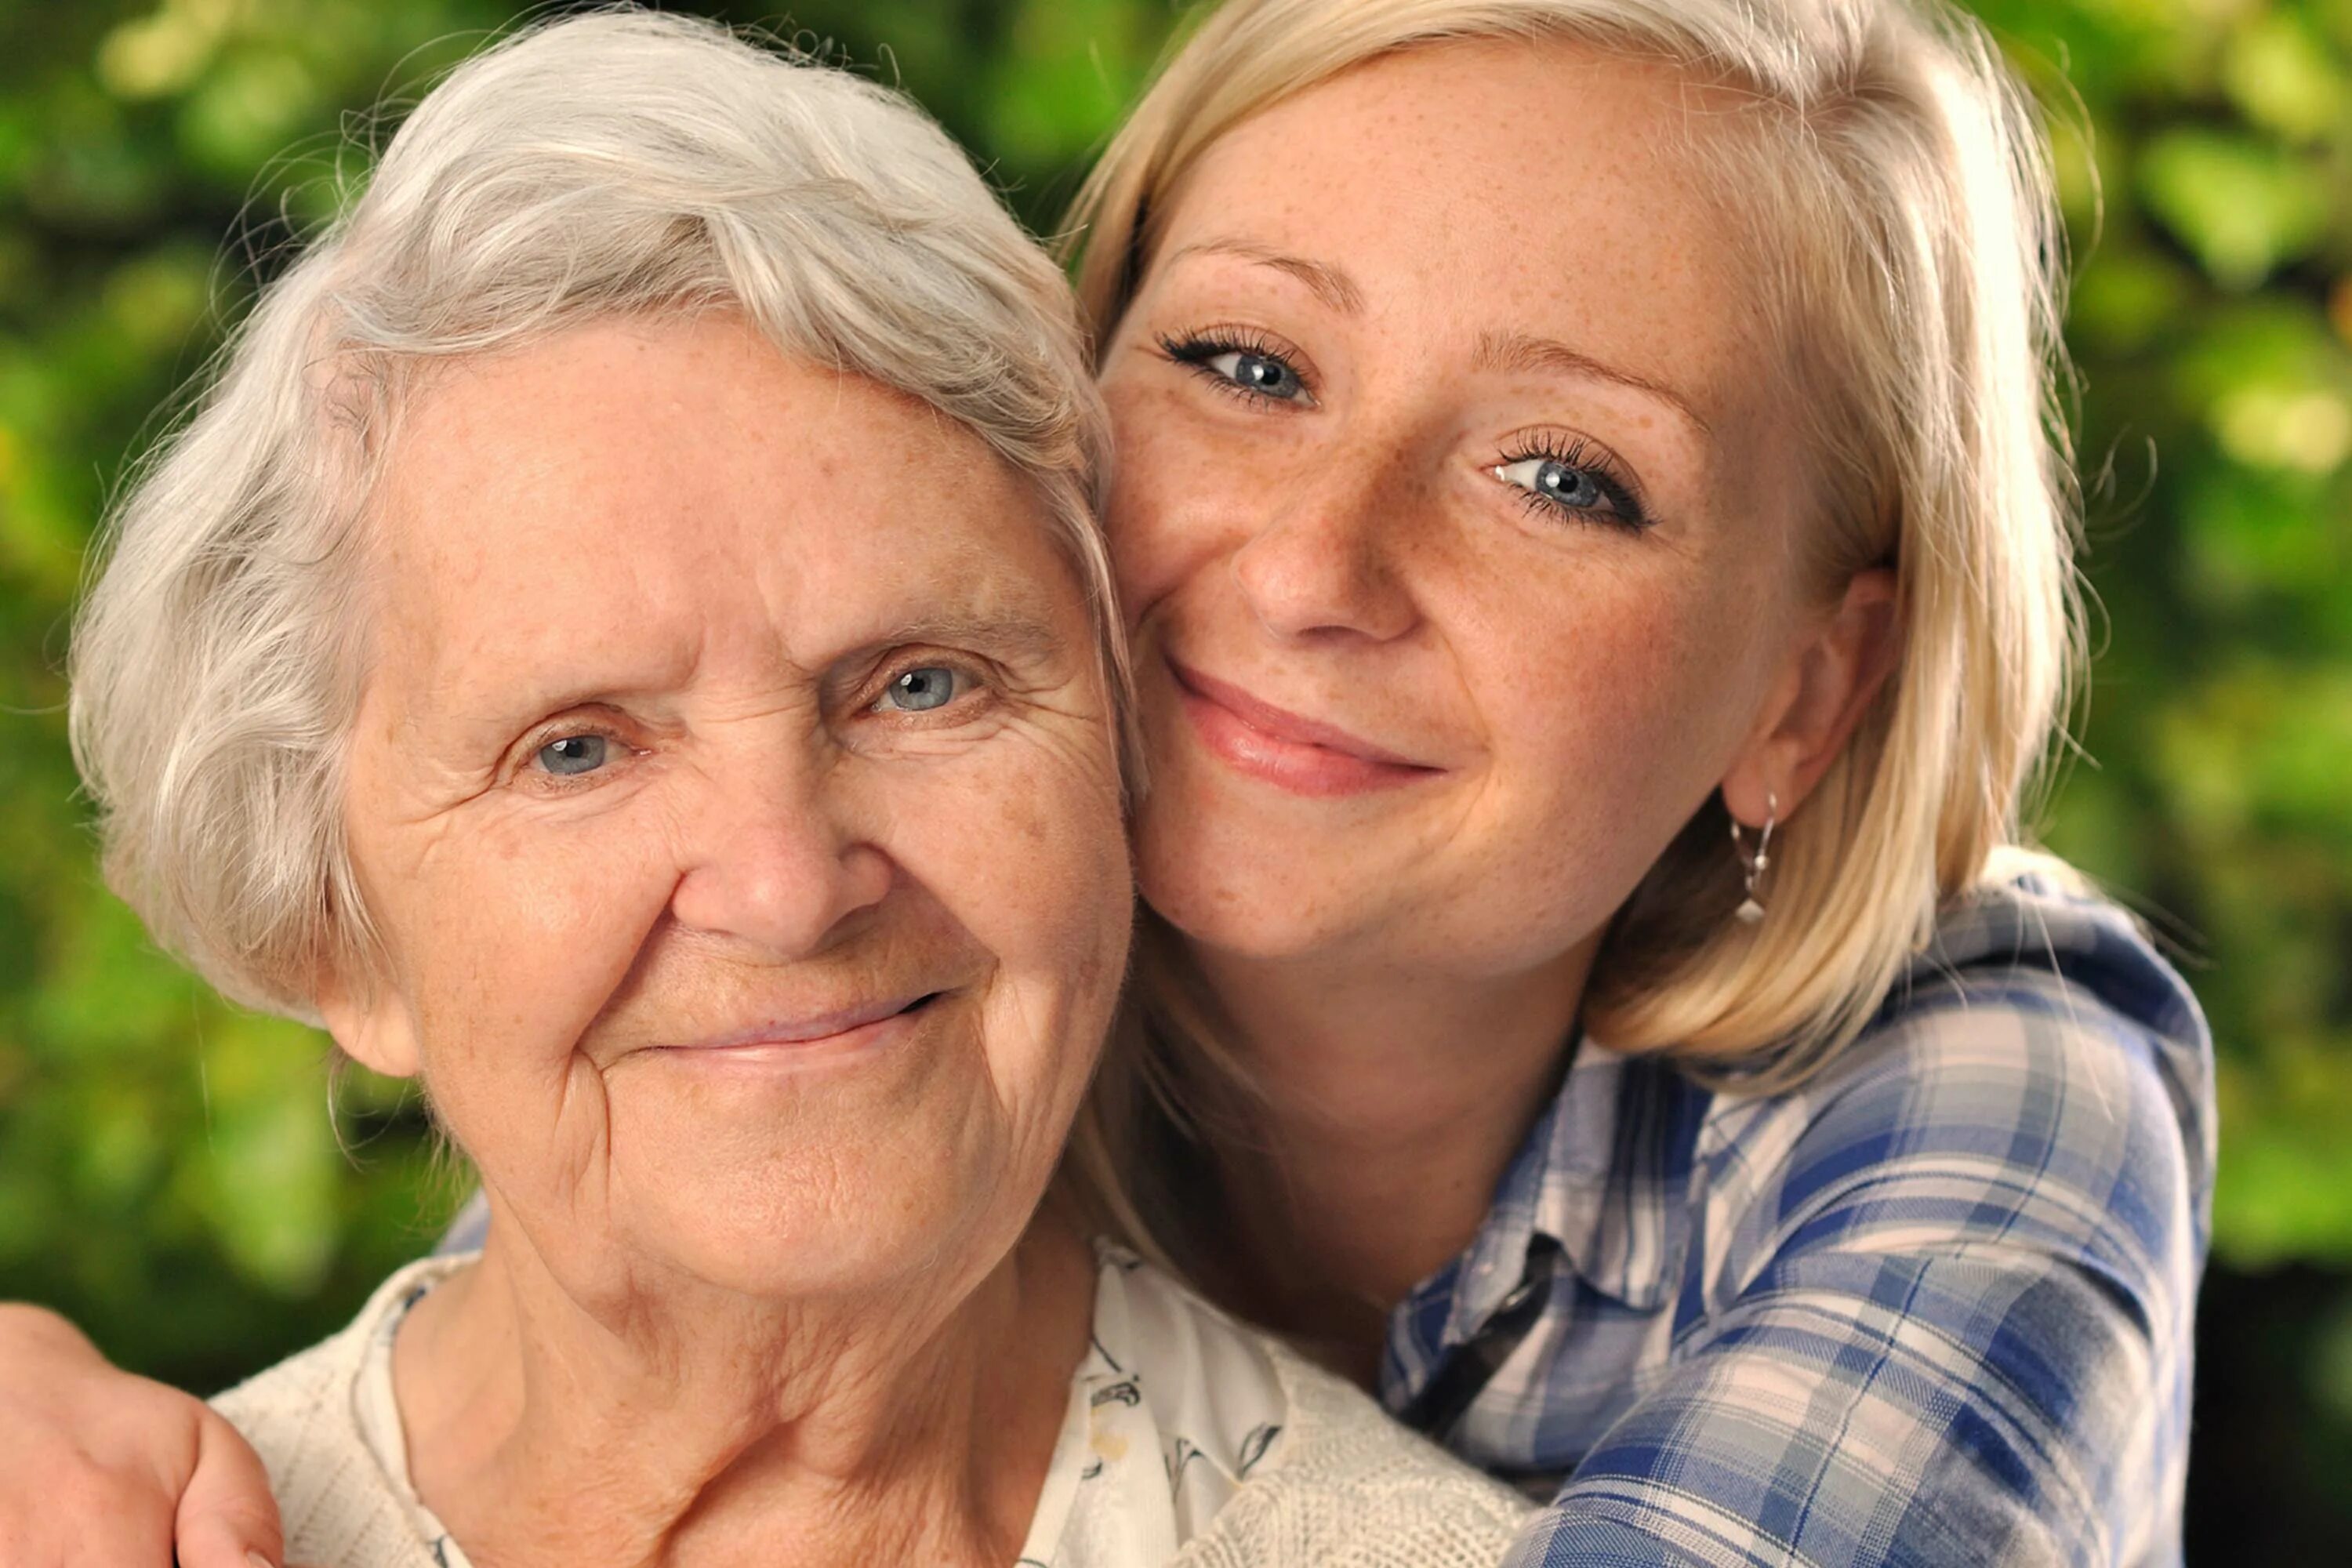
1938	1308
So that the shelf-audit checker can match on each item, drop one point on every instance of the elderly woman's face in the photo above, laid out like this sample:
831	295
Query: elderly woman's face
733	791
1454	509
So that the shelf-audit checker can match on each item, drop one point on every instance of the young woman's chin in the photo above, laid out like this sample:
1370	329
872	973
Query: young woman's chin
1254	866
1237	890
1339	895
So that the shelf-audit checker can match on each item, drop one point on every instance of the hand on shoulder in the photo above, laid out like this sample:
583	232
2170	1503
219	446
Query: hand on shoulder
100	1466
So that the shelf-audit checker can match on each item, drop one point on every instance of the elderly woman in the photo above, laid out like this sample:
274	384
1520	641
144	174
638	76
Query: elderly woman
1598	558
625	643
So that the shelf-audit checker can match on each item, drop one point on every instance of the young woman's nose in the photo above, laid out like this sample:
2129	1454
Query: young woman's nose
1326	558
777	862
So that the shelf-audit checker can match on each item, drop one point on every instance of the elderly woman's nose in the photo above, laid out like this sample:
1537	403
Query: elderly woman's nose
779	863
1324	558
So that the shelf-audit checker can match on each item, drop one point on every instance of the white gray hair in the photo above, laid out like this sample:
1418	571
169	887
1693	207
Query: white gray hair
613	164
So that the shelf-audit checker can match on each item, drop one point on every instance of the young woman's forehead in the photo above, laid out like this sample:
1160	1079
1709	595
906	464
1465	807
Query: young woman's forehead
1535	182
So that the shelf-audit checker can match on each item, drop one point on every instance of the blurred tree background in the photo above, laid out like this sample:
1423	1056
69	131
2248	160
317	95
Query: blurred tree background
169	1172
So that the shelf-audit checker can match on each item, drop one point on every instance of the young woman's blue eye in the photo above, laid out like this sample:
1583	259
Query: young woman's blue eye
1577	487
1247	367
1261	373
922	690
572	755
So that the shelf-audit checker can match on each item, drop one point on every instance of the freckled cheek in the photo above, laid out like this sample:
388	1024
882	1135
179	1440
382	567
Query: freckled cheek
1163	515
1615	683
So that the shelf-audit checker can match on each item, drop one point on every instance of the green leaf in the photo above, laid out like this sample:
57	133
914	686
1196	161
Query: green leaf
2243	207
2278	71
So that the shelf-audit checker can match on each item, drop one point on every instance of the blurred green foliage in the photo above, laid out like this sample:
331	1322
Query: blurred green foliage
2212	320
158	1148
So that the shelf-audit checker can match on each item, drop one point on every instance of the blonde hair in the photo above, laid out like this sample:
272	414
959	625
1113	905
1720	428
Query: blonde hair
1893	176
612	165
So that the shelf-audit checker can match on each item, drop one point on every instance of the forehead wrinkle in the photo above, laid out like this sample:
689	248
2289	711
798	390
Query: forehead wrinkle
476	702
1017	634
506	665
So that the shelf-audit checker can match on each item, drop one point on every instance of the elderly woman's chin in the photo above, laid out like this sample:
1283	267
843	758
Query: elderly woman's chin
853	1164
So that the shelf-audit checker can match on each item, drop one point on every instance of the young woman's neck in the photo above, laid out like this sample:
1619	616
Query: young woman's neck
1388	1106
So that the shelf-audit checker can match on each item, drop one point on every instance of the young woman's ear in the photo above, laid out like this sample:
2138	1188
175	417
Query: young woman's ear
1833	678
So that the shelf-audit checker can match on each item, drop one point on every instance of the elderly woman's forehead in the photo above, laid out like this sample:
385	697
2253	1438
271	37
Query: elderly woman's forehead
642	489
707	366
631	442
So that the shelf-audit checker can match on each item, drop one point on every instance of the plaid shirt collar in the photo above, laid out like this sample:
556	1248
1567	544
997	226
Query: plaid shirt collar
1604	1175
1601	1177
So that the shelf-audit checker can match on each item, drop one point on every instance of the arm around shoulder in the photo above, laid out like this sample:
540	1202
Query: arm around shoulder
1953	1324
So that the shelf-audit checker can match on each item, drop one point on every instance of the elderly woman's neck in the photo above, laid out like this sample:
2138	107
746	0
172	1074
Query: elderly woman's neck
691	1429
1388	1105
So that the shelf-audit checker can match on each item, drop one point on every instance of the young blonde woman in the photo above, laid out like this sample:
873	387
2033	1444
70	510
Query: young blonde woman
1596	534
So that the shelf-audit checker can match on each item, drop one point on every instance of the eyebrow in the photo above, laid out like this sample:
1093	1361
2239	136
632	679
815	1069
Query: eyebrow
1327	282
1517	351
1017	633
1495	351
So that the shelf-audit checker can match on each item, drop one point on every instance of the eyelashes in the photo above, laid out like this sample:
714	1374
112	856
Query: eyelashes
1562	474
601	744
921	700
1559	476
1264	370
913	689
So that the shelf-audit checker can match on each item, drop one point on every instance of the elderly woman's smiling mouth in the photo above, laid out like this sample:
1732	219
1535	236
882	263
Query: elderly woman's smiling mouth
813	1034
900	988
812	1038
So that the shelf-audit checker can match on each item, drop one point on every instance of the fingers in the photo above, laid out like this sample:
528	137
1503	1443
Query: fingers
70	1492
99	1466
64	1508
227	1517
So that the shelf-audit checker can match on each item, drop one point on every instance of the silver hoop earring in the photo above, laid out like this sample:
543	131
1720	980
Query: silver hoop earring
1753	864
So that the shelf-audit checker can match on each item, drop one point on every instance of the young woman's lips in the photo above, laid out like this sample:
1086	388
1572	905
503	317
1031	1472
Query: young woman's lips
1285	749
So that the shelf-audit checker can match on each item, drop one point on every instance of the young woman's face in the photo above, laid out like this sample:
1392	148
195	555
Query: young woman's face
1455	511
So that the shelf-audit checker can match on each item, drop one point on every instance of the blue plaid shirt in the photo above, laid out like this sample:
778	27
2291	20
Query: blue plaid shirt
1931	1308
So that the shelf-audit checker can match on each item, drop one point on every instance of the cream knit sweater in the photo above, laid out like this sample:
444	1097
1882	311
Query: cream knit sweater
1346	1488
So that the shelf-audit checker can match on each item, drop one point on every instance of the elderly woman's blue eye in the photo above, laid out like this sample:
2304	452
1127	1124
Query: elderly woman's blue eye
921	690
574	754
1258	372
